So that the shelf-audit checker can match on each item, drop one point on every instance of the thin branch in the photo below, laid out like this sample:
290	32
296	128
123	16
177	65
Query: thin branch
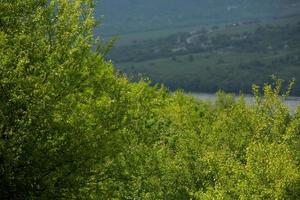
4	92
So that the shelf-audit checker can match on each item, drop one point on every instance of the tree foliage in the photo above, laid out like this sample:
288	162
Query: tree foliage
72	128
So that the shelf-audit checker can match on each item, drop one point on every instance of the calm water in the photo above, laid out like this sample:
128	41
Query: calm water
291	102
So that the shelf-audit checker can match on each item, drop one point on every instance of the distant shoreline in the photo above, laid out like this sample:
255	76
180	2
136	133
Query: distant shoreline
292	102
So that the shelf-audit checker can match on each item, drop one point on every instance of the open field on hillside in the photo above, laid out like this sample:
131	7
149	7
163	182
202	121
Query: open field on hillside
130	38
230	58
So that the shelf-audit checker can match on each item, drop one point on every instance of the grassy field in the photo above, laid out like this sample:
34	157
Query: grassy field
208	72
229	70
202	63
127	39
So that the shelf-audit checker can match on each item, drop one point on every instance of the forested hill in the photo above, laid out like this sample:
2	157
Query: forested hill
139	15
229	58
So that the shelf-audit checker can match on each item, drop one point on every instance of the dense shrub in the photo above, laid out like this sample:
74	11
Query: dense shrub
72	128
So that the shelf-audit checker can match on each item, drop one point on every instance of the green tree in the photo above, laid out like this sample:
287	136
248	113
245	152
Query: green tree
72	128
51	80
191	58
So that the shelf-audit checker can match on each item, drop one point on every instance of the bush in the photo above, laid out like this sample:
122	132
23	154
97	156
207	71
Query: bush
72	128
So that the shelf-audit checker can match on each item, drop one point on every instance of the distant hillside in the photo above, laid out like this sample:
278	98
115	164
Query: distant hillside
127	16
230	58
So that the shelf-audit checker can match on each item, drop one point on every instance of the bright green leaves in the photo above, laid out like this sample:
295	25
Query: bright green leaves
270	172
71	127
47	64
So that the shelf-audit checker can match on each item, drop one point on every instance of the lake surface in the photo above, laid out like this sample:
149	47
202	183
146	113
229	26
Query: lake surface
291	102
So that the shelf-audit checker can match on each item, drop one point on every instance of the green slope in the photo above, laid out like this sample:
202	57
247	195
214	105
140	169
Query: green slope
229	58
127	16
